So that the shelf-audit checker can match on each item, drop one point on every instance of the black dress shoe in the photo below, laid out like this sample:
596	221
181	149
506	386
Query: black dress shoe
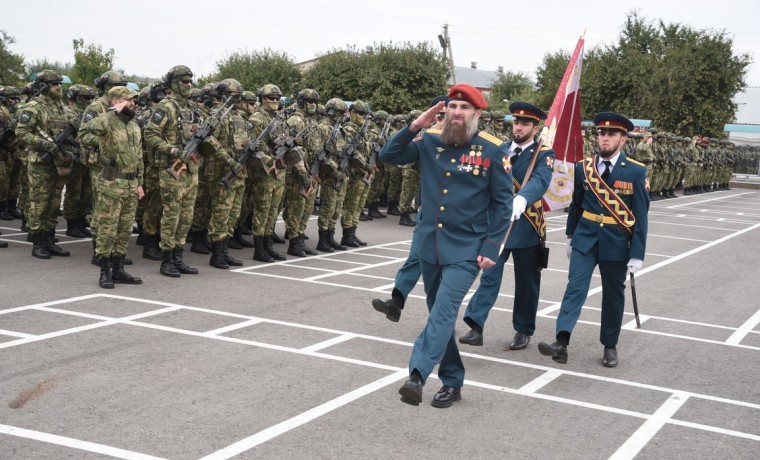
387	307
446	396
519	342
472	338
411	391
555	350
610	357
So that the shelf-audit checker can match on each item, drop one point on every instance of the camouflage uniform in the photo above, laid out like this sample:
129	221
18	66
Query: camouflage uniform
39	122
394	172
7	152
171	125
119	142
78	197
268	175
298	181
329	173
410	184
645	154
380	132
359	173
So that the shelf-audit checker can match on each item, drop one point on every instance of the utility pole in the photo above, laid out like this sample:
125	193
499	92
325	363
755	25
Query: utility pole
445	41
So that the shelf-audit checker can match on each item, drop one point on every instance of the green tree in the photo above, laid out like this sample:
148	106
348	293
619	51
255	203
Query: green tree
90	61
393	77
254	69
511	86
43	64
11	64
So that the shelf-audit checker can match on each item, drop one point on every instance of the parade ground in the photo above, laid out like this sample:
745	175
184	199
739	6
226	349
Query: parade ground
290	361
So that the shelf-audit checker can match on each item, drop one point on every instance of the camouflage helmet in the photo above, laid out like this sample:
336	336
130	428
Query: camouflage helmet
360	107
45	78
143	96
497	115
270	91
380	116
157	91
79	90
195	94
108	80
9	91
228	86
485	115
321	109
177	72
249	97
307	95
398	119
335	105
413	115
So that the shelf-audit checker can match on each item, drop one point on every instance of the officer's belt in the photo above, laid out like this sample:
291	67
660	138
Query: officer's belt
128	176
599	218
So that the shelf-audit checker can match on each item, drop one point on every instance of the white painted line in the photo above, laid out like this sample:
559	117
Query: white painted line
539	382
650	235
234	327
51	303
303	418
631	325
631	448
715	429
744	329
328	343
351	270
692	203
74	443
18	335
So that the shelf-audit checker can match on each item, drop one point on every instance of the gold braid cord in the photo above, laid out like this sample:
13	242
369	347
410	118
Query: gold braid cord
534	213
607	197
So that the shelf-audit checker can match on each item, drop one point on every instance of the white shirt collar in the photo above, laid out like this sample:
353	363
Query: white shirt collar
613	160
524	147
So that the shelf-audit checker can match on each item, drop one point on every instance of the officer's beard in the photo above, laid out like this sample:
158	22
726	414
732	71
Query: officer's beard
56	92
128	113
459	134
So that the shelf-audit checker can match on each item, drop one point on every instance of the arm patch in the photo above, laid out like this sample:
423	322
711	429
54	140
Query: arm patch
89	116
25	116
158	116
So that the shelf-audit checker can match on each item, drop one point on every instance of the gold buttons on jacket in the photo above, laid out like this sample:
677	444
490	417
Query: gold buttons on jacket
442	208
445	191
440	225
453	160
448	173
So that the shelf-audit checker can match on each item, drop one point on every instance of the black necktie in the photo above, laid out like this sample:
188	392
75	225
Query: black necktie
608	167
514	158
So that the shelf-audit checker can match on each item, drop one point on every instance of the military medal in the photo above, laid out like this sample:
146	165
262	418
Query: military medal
462	162
478	160
486	165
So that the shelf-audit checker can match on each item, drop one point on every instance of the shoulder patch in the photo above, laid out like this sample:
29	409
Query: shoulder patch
89	116
25	116
631	160
157	116
490	138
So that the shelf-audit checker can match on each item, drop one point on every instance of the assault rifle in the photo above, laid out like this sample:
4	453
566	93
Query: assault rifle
249	150
204	131
321	156
290	142
348	152
376	147
68	138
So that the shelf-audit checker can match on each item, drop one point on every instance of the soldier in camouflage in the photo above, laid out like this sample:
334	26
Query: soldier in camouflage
359	172
118	141
9	97
78	198
39	122
171	125
411	180
329	171
394	172
380	130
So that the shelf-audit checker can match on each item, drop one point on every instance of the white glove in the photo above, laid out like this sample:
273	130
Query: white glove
568	249
634	265
518	207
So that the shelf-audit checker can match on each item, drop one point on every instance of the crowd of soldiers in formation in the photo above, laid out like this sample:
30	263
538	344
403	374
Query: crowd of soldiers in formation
695	165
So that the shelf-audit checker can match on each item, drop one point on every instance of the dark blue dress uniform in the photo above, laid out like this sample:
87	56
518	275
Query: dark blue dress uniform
598	240
523	246
466	206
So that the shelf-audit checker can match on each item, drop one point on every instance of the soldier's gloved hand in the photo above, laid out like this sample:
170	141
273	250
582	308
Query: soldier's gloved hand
519	203
305	181
185	157
47	158
234	166
568	249
634	265
49	147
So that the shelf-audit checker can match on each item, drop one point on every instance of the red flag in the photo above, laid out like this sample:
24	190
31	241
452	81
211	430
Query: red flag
562	132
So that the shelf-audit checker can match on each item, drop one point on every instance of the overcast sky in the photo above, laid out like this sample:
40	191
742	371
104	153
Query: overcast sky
151	36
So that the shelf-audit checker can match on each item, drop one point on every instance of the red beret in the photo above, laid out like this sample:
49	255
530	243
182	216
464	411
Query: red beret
470	94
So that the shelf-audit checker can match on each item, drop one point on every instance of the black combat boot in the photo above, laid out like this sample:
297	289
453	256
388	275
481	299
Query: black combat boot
672	194
258	250
95	259
332	242
269	248
364	217
82	223
348	239
150	249
239	237
356	238
73	230
52	248
119	275
323	244
304	248
38	246
182	267
217	255
23	226
106	278
231	261
4	214
374	211
383	203
276	239
197	246
405	219
687	191
393	209
13	210
167	264
295	249
248	225
233	244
